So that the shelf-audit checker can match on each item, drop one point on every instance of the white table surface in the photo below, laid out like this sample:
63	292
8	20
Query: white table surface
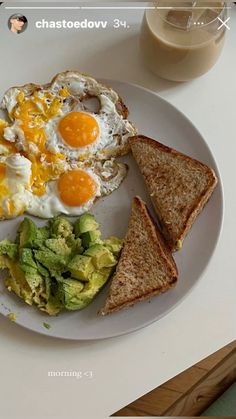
126	367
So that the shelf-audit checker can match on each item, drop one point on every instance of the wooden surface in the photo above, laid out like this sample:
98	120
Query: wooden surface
192	391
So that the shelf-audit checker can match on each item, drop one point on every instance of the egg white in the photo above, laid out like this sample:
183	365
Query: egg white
17	182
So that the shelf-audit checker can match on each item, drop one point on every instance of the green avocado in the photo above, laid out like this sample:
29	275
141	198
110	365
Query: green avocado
70	289
75	244
54	263
16	282
30	236
90	237
60	226
20	288
52	307
26	259
58	246
86	222
27	233
8	248
90	290
30	286
35	282
53	298
101	256
81	267
30	269
113	244
42	234
42	270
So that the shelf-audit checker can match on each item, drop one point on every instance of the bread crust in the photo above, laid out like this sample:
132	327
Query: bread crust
131	303
198	204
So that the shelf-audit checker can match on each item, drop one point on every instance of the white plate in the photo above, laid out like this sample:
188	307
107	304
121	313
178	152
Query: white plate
158	119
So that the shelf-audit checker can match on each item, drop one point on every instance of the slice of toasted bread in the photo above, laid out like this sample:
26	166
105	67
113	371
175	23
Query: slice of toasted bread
179	186
146	266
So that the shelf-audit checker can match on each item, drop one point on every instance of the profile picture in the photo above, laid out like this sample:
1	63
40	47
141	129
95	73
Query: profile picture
17	23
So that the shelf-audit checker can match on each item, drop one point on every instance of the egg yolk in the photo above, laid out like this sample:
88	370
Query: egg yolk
78	129
76	187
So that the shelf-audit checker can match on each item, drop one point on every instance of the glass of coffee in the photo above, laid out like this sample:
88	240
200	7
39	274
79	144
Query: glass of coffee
181	40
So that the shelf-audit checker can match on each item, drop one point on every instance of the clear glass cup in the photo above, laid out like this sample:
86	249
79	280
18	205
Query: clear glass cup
183	40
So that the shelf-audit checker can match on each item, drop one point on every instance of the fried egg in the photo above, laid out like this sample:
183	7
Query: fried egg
55	119
72	193
76	190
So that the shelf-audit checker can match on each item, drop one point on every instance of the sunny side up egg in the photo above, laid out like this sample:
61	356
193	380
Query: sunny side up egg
73	193
55	119
76	191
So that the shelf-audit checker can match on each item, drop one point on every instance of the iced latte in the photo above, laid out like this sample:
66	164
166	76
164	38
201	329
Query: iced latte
184	41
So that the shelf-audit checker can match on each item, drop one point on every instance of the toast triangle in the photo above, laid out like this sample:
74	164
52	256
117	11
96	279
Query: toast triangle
146	266
179	186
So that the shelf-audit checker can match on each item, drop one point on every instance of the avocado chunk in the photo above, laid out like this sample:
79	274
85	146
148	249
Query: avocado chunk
70	289
86	222
42	234
27	233
52	302
60	226
42	270
8	248
81	267
28	285
101	256
113	244
90	237
35	282
90	290
52	307
54	263
55	301
32	274
75	244
58	246
19	287
30	236
16	281
26	259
